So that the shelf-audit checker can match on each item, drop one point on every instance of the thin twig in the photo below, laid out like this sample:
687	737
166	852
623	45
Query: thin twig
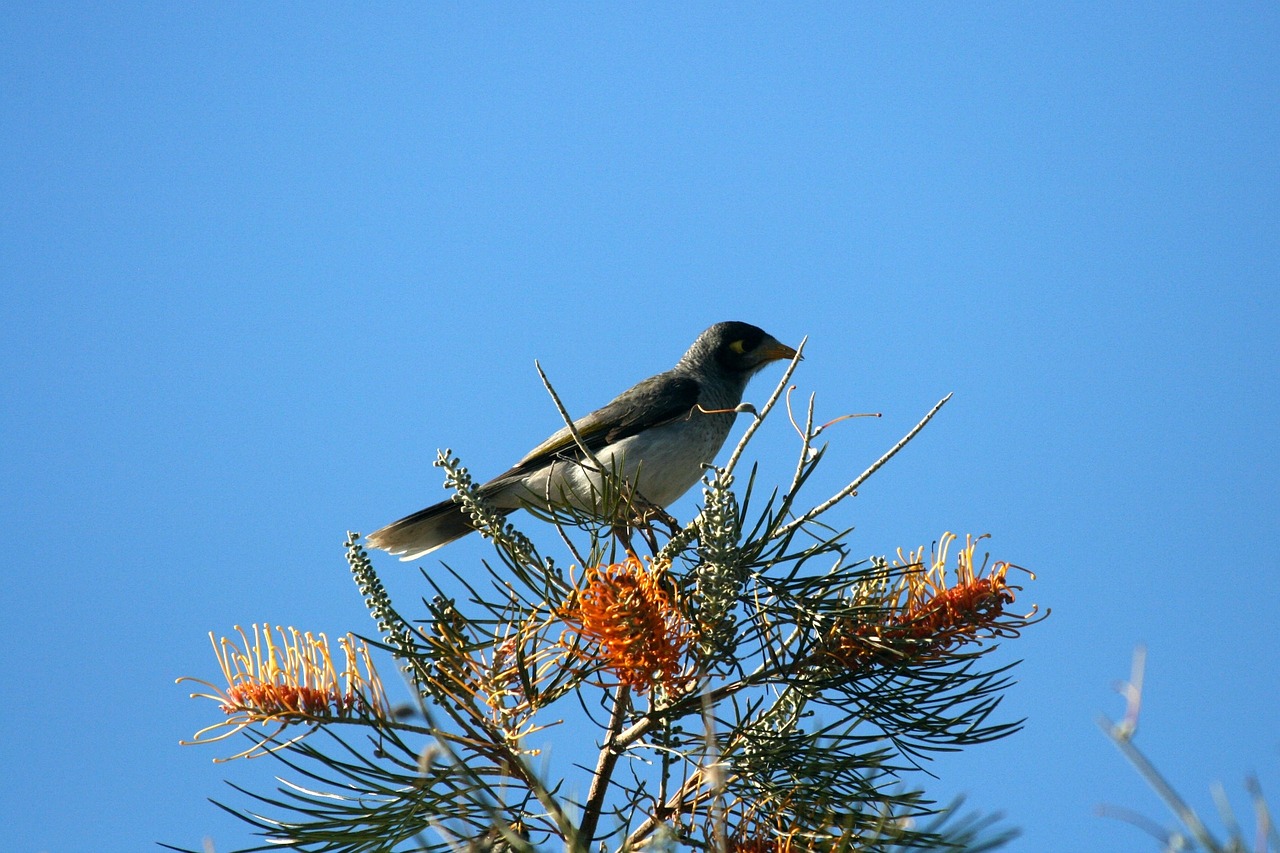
568	420
863	477
806	440
665	810
683	801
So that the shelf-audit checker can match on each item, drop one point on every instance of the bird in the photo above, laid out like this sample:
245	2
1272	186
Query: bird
657	436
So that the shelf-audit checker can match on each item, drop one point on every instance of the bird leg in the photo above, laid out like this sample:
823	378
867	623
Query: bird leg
640	515
645	514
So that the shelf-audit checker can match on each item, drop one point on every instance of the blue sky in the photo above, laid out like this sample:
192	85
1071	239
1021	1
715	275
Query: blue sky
259	263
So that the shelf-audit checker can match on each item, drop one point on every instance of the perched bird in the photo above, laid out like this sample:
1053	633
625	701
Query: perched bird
656	436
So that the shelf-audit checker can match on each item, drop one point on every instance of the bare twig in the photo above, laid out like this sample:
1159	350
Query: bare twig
863	477
807	452
662	811
568	420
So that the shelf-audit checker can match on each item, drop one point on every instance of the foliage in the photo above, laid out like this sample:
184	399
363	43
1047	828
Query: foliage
1192	834
752	686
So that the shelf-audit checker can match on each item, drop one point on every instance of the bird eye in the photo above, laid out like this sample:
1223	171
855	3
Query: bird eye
739	346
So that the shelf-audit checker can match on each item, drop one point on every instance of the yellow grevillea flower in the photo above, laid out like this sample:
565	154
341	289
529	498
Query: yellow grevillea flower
632	623
286	678
924	613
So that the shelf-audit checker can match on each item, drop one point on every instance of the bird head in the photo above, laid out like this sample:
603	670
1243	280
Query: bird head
739	349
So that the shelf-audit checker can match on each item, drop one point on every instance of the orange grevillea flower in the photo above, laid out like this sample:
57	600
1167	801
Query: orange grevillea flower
924	614
289	677
632	623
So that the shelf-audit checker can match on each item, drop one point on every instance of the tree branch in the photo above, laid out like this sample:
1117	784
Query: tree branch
609	755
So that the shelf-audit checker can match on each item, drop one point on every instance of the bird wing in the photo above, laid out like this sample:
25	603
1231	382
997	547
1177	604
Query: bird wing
655	401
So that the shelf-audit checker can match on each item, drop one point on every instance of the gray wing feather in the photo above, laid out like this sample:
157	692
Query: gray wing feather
655	401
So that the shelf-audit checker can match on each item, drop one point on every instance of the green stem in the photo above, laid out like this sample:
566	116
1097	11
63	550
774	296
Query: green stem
1160	785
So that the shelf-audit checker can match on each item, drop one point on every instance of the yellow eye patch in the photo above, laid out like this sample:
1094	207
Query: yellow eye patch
739	346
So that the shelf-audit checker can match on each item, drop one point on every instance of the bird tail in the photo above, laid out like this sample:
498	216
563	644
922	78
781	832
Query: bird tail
419	534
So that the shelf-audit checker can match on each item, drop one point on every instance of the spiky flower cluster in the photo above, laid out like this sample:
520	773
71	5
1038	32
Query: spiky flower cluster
395	632
923	614
290	677
721	569
632	624
490	521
